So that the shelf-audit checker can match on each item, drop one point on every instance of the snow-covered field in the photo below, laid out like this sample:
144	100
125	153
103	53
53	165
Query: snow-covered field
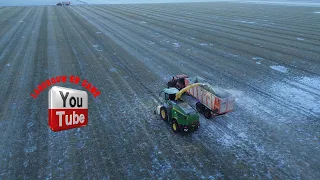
267	56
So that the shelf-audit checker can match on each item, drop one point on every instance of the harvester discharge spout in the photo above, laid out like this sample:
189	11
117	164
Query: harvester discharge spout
179	94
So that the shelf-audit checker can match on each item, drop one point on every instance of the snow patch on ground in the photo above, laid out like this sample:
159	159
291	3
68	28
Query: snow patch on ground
98	32
160	166
143	22
176	45
30	149
226	140
30	124
156	35
8	65
181	62
80	145
96	47
299	96
245	22
279	68
300	39
113	69
149	42
233	55
313	82
203	44
260	149
243	135
317	12
257	58
252	105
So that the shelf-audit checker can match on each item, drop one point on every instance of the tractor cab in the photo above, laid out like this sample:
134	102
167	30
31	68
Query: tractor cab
169	94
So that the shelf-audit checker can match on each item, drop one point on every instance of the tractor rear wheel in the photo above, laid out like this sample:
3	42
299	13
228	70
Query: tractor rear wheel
175	127
163	113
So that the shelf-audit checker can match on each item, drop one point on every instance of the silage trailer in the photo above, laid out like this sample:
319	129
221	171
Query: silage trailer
211	101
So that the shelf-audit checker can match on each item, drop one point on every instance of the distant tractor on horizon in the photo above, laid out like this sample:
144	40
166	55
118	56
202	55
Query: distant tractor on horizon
63	3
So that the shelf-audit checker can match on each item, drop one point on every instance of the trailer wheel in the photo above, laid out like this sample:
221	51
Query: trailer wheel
199	107
175	126
207	113
163	113
215	113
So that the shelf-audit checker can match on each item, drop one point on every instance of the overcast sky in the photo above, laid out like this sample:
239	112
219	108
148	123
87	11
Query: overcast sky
53	2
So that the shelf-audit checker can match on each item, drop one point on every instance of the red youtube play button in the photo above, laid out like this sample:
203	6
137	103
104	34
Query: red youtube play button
68	108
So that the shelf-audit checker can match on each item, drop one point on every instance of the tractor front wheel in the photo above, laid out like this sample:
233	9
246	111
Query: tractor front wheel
163	113
175	126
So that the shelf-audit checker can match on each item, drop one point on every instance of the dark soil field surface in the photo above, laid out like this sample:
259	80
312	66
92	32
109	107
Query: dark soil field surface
267	56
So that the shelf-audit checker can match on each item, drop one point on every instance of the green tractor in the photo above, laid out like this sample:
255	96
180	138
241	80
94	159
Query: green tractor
178	113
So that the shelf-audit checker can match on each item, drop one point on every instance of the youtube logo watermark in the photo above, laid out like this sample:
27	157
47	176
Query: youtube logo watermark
68	108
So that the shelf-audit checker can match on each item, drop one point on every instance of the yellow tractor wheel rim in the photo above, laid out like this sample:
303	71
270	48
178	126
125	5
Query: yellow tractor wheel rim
174	126
163	114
